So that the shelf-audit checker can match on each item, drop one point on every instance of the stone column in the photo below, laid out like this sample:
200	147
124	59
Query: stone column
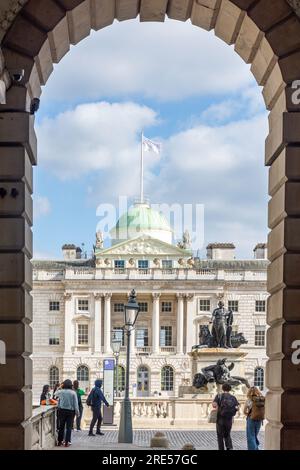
97	323
17	155
69	327
190	327
107	323
155	323
180	322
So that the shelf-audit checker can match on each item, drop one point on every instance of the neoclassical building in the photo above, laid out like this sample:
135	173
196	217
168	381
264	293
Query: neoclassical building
79	306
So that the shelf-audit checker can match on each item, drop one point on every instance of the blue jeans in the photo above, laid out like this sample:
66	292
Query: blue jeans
253	428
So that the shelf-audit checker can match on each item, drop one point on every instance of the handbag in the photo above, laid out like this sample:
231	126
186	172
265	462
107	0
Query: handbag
213	416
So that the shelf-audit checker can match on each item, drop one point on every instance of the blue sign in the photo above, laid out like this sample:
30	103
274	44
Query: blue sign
109	364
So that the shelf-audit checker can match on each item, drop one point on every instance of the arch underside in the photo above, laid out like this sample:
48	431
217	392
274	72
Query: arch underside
266	34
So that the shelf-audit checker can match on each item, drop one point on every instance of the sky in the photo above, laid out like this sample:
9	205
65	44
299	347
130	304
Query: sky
181	86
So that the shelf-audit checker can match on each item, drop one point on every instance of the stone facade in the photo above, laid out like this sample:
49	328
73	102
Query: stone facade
189	292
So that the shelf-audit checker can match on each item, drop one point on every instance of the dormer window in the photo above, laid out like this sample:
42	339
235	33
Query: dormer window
119	266
167	266
143	264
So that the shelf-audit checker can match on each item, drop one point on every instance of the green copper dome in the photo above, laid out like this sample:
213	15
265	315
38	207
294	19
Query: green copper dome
141	217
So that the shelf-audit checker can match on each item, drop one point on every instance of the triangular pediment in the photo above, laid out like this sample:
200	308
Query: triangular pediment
144	245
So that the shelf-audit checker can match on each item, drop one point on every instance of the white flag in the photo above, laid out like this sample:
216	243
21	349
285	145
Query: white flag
150	146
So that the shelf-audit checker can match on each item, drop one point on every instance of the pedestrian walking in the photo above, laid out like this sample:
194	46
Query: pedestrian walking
94	400
79	394
68	408
255	412
226	406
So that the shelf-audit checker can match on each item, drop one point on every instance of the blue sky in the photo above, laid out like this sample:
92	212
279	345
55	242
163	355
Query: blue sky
183	87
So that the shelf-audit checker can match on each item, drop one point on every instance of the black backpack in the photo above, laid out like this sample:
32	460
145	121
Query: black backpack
89	400
228	406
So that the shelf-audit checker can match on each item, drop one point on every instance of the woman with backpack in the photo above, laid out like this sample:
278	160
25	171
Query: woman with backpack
255	412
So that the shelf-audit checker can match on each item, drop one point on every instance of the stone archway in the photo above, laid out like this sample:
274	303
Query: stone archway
265	33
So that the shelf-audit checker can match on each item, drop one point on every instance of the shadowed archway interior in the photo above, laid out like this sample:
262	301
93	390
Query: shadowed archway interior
266	34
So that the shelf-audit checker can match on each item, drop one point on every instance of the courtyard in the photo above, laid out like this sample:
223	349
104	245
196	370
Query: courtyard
202	440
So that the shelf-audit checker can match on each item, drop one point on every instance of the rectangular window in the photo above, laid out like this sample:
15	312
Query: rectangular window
119	264
83	305
260	336
143	307
204	305
118	334
167	265
54	335
83	335
142	339
165	336
260	305
233	305
143	264
54	306
166	307
118	307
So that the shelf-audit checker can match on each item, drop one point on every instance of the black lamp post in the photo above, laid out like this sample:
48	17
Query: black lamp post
116	347
131	311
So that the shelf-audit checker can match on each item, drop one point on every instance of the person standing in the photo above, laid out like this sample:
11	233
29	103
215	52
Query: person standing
79	394
68	408
226	405
255	412
95	400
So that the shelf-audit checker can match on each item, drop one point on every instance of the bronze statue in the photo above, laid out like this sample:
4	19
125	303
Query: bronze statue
220	374
219	326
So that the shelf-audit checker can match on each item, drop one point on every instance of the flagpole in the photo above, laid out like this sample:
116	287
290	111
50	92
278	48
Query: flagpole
142	169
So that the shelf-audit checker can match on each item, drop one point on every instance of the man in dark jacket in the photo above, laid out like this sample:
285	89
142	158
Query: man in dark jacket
95	400
226	406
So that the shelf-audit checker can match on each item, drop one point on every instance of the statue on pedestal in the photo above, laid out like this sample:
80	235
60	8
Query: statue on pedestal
221	335
219	326
220	374
99	240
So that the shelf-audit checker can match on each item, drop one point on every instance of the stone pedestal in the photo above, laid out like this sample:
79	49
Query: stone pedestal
205	357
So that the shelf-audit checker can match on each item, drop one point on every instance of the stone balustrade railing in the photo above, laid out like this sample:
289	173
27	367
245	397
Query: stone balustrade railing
169	412
153	273
43	423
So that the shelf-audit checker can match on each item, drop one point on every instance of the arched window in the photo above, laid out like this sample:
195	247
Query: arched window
83	377
53	376
259	378
167	379
121	379
143	381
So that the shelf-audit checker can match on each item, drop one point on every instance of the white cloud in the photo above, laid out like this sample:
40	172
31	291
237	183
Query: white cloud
41	206
93	137
43	255
165	61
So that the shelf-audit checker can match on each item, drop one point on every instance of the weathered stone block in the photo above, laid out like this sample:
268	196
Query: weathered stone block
16	406
15	165
17	338
79	21
18	129
16	374
153	10
59	40
229	22
17	204
127	9
180	9
15	270
102	13
15	304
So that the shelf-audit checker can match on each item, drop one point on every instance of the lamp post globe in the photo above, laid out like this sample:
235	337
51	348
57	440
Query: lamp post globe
131	312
